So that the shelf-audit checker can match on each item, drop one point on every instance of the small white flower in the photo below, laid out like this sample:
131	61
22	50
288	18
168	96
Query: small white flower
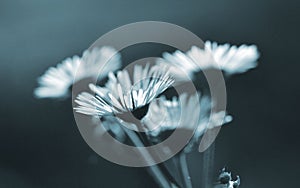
226	179
230	59
122	94
56	81
235	184
186	112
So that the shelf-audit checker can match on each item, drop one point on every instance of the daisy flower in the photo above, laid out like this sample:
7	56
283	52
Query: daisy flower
184	112
56	81
230	59
233	59
166	114
123	95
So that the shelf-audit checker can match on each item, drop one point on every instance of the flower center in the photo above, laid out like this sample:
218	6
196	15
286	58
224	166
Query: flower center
139	113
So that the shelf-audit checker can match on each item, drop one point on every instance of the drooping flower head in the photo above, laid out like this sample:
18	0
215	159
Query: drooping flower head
97	63
184	112
123	95
230	59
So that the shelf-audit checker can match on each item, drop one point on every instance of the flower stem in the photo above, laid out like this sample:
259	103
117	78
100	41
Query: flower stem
154	170
184	170
208	162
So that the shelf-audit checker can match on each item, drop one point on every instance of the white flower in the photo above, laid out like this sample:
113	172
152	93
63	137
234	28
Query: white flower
233	59
57	81
187	112
166	114
184	65
122	94
230	59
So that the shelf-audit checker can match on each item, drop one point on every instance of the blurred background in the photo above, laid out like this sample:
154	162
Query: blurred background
40	145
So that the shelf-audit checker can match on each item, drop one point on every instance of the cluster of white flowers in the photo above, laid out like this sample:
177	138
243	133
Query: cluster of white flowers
141	94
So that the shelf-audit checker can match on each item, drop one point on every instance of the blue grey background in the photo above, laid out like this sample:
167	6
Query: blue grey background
40	145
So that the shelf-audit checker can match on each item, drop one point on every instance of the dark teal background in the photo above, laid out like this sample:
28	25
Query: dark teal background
40	145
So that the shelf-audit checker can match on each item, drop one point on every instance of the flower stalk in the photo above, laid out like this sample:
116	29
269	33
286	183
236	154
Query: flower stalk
187	180
154	169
